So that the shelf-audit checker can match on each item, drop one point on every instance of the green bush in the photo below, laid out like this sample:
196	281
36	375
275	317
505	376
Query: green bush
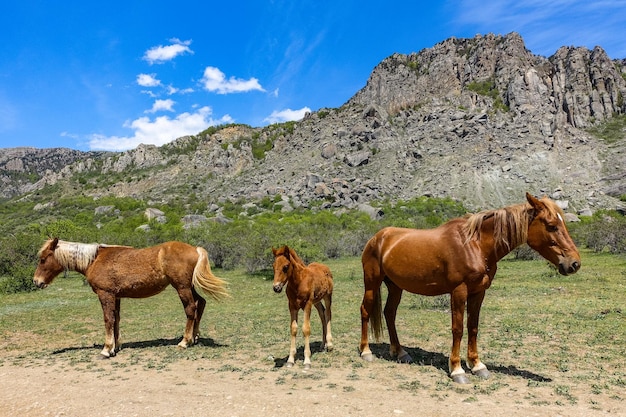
605	231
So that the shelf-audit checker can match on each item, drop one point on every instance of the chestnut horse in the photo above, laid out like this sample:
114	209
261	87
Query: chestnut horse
458	258
115	272
307	286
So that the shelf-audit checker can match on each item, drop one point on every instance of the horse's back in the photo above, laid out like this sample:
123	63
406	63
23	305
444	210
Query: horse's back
422	261
142	272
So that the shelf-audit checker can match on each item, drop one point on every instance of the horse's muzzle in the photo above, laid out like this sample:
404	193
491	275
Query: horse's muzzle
569	268
278	287
40	284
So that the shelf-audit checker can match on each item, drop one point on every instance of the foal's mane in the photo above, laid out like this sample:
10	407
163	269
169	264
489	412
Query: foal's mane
293	255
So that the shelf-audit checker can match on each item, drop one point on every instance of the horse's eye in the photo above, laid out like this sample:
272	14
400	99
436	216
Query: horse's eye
285	268
552	229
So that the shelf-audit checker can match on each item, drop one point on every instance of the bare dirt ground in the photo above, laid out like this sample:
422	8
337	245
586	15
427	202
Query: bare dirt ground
122	386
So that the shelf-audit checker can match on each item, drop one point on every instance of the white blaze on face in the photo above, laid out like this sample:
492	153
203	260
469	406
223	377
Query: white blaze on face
560	218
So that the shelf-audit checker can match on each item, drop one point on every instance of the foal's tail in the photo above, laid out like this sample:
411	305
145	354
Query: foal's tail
204	278
371	279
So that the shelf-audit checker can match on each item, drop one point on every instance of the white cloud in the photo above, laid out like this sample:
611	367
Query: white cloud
215	80
162	105
148	80
159	54
287	115
158	131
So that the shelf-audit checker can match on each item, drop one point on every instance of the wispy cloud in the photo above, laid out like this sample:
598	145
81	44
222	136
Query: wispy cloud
546	26
158	131
215	80
286	115
161	53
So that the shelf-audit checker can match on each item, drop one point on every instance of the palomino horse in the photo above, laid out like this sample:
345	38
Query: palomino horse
458	258
307	286
115	272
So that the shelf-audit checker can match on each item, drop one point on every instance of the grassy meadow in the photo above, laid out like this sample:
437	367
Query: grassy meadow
546	338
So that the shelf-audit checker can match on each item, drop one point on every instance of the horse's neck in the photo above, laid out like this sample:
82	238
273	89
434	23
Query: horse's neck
296	260
498	245
77	256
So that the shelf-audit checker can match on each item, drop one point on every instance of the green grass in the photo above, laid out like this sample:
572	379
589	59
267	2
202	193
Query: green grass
556	336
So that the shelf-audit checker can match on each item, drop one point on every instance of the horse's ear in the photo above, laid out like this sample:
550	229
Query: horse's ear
287	251
54	243
534	201
274	250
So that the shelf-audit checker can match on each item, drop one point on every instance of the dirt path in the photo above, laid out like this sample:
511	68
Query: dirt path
202	388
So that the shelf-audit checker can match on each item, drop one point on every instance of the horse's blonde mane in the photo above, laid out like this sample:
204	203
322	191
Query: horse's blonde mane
510	225
75	256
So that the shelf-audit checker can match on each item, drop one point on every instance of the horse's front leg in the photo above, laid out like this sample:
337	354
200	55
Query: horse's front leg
391	308
306	332
458	299
108	302
474	302
293	330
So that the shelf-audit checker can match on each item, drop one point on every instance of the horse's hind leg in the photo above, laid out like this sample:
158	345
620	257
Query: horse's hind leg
391	308
116	328
370	306
200	304
190	311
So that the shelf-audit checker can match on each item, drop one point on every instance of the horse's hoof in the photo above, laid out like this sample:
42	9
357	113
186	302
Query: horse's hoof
482	373
329	348
289	365
367	357
460	379
406	358
307	366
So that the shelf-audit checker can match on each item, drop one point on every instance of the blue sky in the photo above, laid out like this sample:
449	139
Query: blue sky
113	74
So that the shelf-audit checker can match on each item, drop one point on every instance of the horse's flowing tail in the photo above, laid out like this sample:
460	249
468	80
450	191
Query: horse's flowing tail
376	317
203	277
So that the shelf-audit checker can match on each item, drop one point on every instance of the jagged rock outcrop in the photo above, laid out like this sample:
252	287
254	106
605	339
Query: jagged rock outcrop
481	120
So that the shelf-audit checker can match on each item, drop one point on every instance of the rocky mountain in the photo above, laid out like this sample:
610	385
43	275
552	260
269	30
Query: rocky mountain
481	120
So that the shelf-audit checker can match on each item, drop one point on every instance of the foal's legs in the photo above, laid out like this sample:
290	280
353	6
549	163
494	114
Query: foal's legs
189	304
108	302
306	332
321	311
474	302
293	329
391	308
326	316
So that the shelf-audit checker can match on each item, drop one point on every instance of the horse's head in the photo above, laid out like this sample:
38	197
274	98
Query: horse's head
282	268
548	235
48	267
